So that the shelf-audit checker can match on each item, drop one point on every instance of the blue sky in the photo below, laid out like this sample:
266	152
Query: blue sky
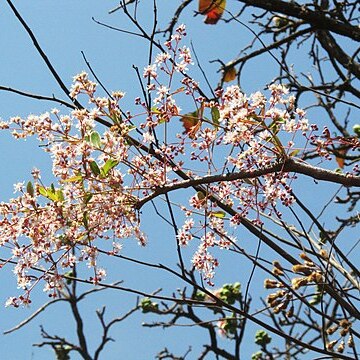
64	28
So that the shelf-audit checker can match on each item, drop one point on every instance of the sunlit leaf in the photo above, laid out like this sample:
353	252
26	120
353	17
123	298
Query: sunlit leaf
230	74
356	129
74	179
157	112
130	128
42	191
110	163
52	196
95	139
49	192
180	89
59	195
218	214
213	9
94	168
294	153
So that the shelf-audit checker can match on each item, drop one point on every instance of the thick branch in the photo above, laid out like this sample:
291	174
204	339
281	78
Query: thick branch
315	18
335	51
288	165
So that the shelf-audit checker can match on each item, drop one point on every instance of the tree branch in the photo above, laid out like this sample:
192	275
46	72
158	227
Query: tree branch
287	165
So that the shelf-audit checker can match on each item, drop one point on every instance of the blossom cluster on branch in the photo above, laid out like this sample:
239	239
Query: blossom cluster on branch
102	176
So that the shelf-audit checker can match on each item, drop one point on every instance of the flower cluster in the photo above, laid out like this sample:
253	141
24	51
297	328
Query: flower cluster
102	178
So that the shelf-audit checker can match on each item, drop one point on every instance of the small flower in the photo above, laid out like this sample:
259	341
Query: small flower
150	71
19	187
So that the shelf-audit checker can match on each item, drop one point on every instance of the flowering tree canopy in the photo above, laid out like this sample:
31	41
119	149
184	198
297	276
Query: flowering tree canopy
233	164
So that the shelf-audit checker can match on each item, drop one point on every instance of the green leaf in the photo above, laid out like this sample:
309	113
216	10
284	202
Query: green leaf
200	195
294	152
155	110
52	196
130	128
148	306
110	163
30	188
43	191
215	115
67	275
86	220
88	197
95	139
262	338
50	192
356	129
59	195
74	179
94	168
218	214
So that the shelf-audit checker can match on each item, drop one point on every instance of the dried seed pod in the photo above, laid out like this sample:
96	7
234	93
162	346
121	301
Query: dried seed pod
277	265
345	323
274	296
277	272
350	342
330	345
275	303
316	277
300	268
290	313
323	253
284	305
341	347
304	257
309	263
331	330
272	284
299	282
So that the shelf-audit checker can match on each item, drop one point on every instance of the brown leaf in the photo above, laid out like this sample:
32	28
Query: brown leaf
340	160
191	124
213	9
230	74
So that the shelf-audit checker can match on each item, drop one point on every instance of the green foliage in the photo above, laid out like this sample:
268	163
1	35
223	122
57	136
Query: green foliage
95	139
316	299
52	193
148	306
94	168
199	296
230	325
215	115
109	164
257	356
68	274
62	352
30	188
262	338
356	129
229	293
